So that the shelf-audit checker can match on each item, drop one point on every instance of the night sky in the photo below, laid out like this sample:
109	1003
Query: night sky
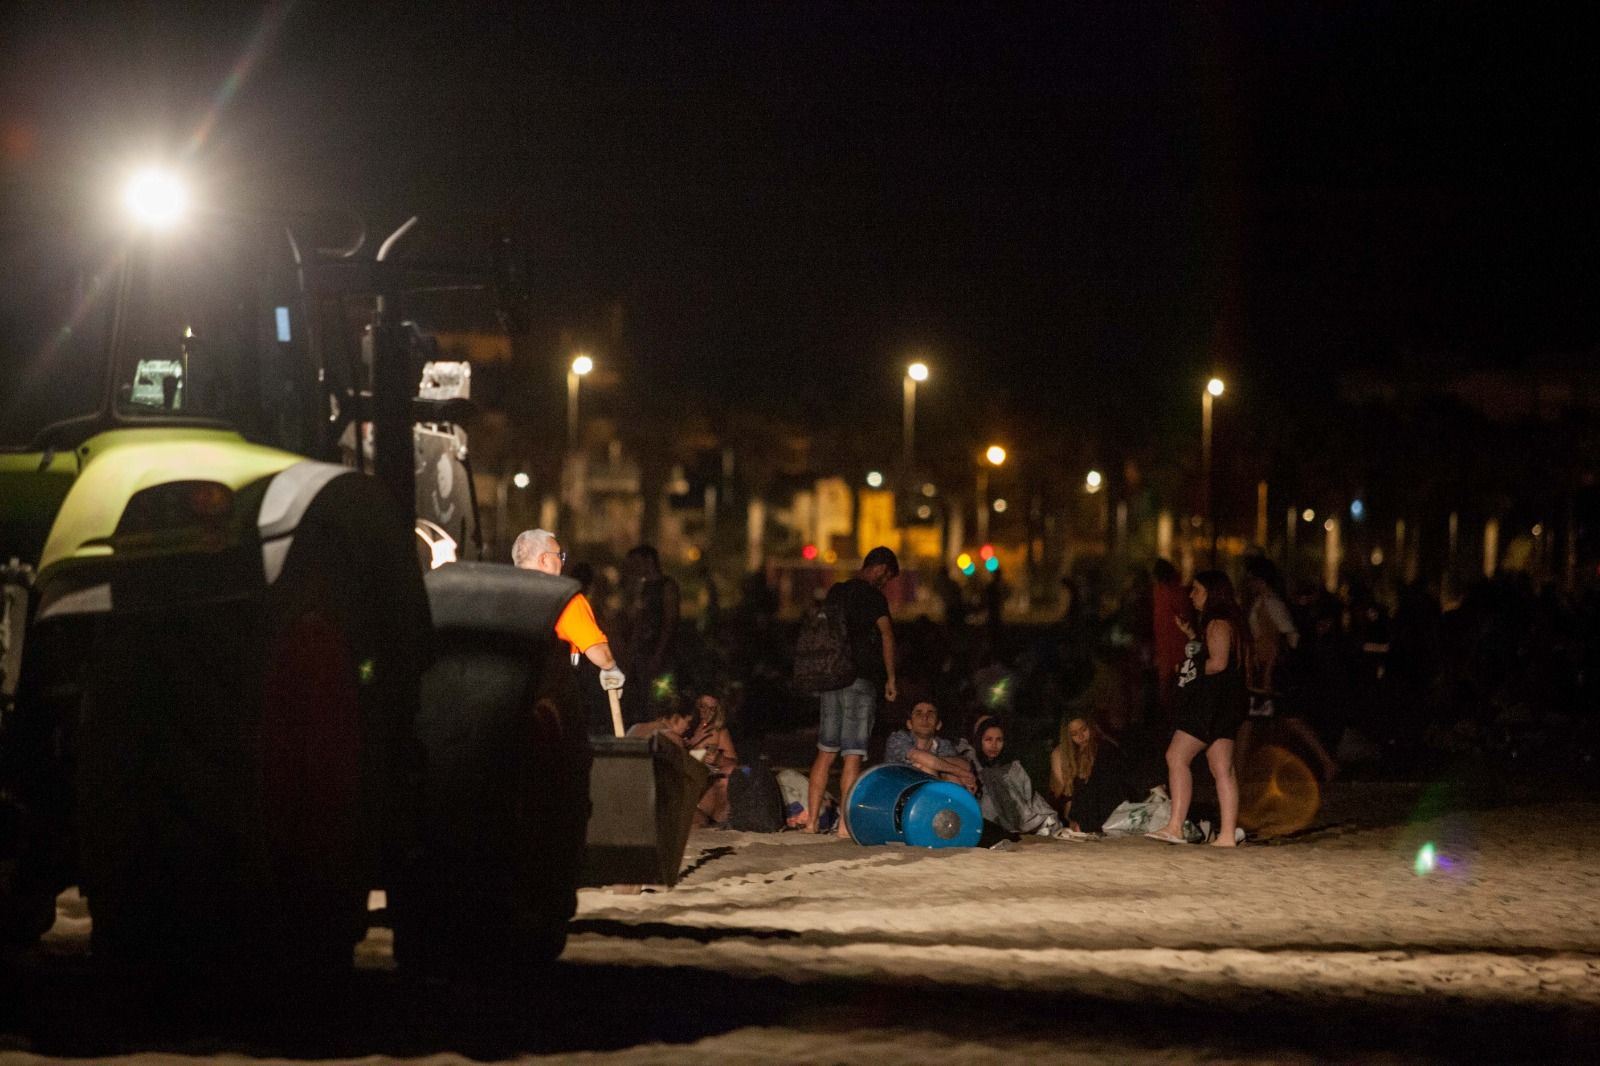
1066	207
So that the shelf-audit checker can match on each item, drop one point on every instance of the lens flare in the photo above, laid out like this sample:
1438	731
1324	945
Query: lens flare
1427	860
155	198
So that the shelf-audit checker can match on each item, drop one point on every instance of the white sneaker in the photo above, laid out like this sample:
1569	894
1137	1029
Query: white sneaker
1049	828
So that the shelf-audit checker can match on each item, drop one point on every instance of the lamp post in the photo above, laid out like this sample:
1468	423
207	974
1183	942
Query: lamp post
994	455
1213	389
580	366
915	373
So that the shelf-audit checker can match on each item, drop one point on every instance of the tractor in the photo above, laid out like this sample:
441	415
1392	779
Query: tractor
243	683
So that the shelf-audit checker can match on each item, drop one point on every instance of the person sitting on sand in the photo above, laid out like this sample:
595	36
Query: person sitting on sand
919	745
711	743
1089	776
709	731
1006	796
672	722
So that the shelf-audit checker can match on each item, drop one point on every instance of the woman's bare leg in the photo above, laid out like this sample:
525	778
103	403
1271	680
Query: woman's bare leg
1220	759
1180	779
713	806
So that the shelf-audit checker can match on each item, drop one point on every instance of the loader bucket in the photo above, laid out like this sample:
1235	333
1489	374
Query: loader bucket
642	794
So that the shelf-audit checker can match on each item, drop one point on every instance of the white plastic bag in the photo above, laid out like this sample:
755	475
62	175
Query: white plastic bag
1131	818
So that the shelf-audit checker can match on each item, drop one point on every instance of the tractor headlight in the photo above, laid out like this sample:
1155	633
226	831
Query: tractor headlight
178	506
155	198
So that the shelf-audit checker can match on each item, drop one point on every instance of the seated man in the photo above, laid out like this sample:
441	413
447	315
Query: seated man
919	745
672	721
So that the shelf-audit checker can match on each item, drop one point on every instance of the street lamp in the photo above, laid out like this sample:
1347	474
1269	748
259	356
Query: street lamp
1213	389
580	366
994	455
915	373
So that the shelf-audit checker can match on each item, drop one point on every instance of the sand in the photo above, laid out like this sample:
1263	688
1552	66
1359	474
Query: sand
1506	915
792	948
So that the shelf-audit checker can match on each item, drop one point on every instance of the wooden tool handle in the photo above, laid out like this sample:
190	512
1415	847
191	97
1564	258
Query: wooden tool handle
616	710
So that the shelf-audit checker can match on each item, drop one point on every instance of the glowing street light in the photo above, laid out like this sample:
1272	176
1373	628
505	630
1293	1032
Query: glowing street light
580	366
155	198
916	373
874	479
1092	481
994	455
521	480
1213	389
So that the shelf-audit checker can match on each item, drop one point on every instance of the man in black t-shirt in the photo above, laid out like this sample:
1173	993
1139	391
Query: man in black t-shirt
849	712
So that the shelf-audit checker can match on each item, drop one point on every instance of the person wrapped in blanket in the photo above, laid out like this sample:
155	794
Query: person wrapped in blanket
1089	776
1005	791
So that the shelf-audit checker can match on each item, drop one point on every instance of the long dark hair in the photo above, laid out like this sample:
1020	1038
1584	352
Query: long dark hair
1222	605
985	723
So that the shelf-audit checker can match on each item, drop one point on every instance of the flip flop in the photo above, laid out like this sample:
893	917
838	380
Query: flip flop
1166	838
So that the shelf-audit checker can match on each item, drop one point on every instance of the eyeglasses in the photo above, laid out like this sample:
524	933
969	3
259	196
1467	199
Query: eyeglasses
560	556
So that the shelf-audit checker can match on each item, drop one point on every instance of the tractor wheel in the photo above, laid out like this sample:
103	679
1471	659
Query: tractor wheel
242	768
505	808
27	907
36	792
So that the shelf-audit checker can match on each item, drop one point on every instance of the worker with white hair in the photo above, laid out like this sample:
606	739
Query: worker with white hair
538	549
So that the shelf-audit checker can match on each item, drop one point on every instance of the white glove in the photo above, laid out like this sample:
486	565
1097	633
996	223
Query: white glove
611	678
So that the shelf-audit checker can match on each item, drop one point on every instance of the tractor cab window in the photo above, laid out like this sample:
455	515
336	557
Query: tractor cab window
187	333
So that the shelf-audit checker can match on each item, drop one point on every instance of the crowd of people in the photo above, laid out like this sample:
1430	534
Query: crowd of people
1055	726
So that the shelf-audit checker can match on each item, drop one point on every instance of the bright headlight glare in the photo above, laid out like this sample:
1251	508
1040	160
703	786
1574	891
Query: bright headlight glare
155	198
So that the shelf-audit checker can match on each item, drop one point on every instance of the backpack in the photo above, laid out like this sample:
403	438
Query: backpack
822	659
755	802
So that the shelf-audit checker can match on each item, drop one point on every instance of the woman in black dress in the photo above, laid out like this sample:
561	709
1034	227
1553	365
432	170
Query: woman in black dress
1213	702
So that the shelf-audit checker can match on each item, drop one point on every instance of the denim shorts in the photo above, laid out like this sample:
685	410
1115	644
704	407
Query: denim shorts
847	717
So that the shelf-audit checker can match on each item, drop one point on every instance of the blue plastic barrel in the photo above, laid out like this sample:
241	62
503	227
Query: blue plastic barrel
901	804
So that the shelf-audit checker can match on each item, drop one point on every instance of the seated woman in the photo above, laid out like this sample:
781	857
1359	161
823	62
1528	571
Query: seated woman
709	731
711	743
1006	795
1089	776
